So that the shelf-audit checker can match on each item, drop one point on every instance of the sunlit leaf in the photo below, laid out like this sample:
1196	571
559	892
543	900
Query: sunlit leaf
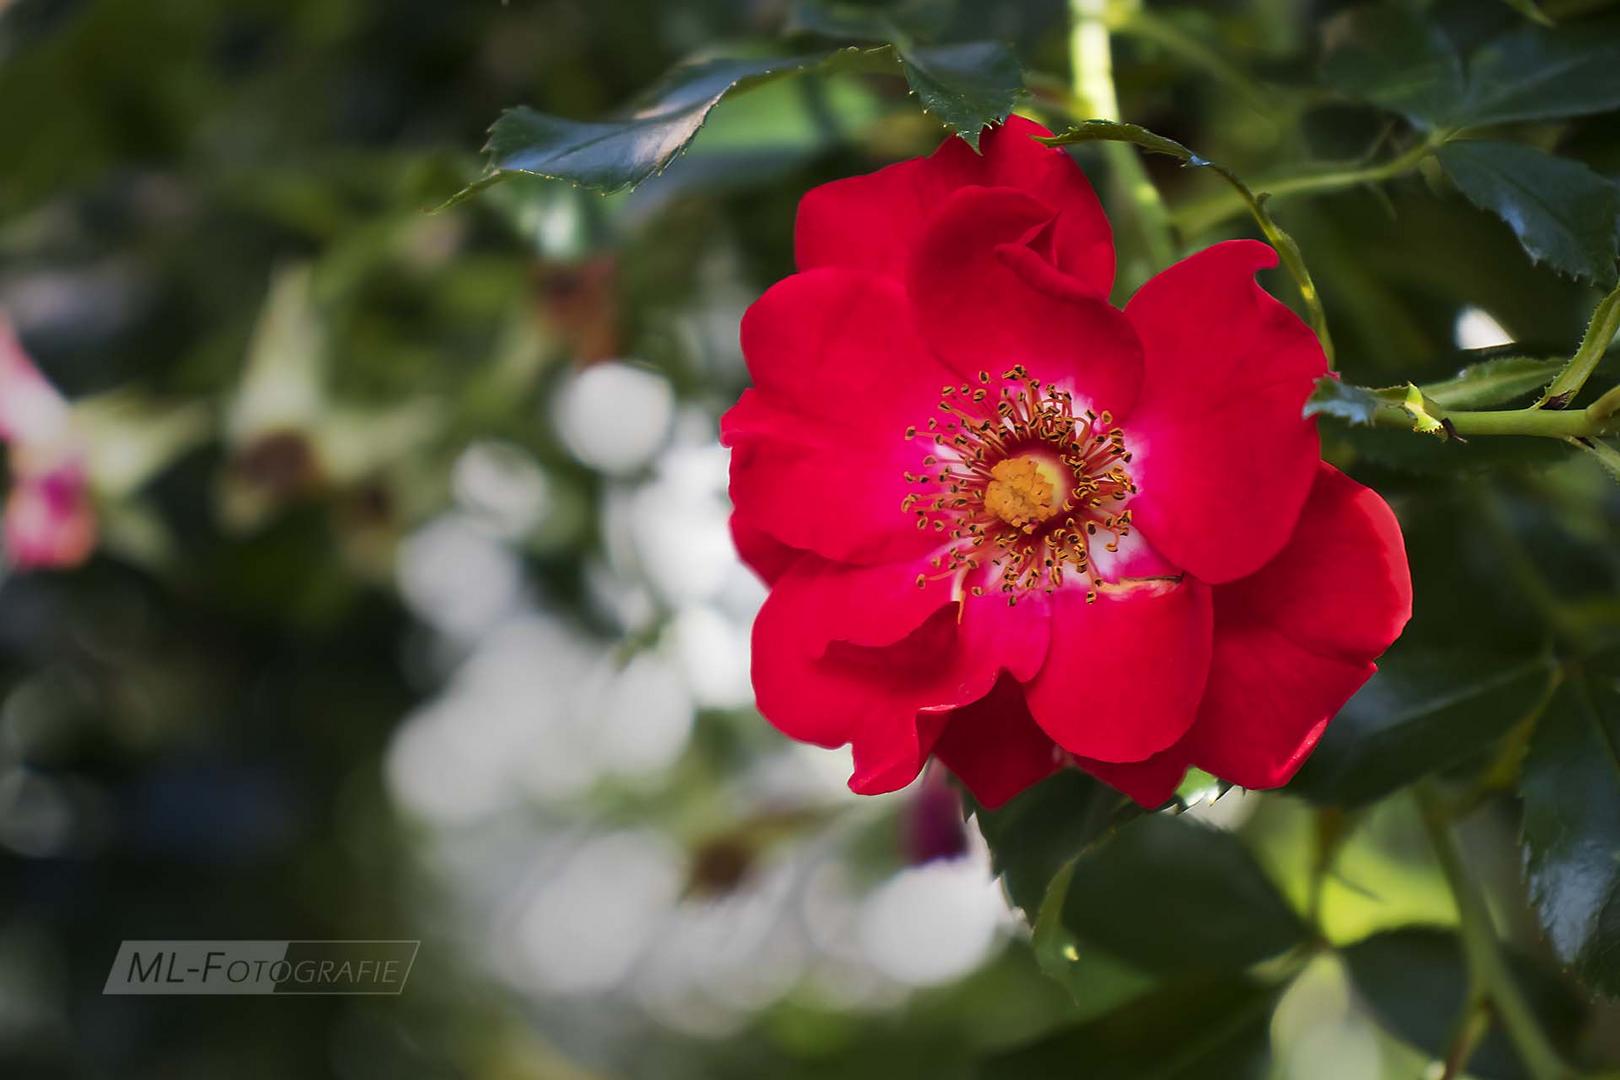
1563	213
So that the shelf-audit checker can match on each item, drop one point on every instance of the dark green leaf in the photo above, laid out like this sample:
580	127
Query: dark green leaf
968	86
1036	833
1415	981
1352	404
1390	56
1190	1030
1563	213
1423	711
1167	894
1571	791
611	155
1542	73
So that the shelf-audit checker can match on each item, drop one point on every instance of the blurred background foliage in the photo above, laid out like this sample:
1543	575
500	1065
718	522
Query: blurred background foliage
414	615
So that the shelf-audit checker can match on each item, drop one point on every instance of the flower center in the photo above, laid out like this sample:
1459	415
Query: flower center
1020	486
1020	492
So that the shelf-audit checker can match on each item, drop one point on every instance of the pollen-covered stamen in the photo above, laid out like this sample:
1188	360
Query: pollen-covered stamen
1018	482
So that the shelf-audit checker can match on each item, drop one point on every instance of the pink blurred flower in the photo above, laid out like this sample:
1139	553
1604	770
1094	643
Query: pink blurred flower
49	520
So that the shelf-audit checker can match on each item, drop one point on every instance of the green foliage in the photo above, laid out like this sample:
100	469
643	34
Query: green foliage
1496	381
1040	830
1352	404
1563	213
1167	894
1198	1028
613	155
1544	73
1424	711
968	86
1415	980
1571	795
1390	56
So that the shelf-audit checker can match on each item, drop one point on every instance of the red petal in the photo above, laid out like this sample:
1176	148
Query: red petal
840	375
985	300
1223	457
836	500
839	348
994	747
1124	674
1295	640
873	221
889	702
1015	638
761	552
1150	782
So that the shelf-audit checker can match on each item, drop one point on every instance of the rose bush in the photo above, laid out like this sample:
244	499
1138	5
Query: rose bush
1010	526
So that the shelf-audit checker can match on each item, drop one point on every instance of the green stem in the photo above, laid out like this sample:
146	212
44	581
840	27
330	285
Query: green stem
1599	333
1196	217
1472	1026
1092	70
1487	968
1551	424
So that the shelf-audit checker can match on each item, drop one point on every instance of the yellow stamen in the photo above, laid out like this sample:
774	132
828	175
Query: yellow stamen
1019	492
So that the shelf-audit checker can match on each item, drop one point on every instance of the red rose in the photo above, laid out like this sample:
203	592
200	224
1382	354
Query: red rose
1010	526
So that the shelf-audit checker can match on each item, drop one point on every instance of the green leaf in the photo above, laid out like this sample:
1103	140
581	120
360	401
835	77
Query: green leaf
1544	73
968	86
1189	1030
1423	711
1352	404
611	155
1166	894
1287	250
1571	792
1094	979
1606	455
1390	56
1037	832
1492	382
1563	213
1415	981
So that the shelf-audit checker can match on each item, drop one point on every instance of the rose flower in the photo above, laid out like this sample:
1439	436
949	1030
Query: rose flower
1014	528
